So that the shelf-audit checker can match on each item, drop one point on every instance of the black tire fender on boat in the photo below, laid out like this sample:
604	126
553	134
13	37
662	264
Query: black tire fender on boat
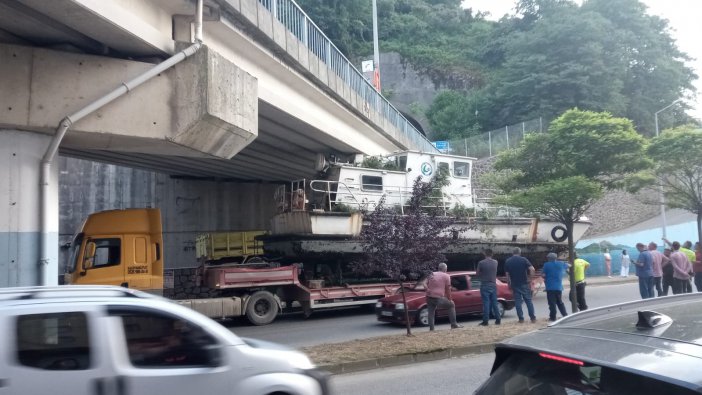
554	233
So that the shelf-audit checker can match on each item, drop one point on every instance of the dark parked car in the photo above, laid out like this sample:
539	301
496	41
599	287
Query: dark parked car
653	346
465	293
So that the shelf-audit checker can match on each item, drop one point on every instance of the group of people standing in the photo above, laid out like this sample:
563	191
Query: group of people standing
519	271
674	268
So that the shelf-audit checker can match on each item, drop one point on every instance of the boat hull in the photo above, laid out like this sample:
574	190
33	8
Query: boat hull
333	237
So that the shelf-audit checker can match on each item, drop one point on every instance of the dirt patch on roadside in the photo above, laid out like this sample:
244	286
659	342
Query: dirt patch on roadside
422	341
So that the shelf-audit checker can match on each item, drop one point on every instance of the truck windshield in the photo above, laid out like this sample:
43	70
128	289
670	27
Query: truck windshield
72	263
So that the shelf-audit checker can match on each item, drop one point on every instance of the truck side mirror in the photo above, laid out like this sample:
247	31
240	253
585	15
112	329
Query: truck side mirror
88	256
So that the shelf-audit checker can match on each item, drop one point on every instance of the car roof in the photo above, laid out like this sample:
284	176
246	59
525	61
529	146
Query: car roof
97	295
75	293
610	336
684	310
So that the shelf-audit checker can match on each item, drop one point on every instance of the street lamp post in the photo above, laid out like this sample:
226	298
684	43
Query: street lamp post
376	52
660	190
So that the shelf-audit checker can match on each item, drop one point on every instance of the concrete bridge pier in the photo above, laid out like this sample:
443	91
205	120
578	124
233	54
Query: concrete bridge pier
21	153
204	107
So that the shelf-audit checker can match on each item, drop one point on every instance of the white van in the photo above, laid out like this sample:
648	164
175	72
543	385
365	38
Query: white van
97	340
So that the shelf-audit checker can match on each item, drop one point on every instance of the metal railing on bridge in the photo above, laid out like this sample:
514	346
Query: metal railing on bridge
296	21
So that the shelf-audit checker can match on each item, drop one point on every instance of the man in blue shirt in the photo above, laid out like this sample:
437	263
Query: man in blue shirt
553	278
518	270
644	271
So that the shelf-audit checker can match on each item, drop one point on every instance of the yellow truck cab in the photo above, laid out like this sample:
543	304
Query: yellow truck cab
119	247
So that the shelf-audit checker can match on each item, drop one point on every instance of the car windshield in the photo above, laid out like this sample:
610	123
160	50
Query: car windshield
527	373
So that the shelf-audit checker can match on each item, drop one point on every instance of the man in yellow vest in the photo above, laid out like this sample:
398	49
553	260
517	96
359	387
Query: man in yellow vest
579	267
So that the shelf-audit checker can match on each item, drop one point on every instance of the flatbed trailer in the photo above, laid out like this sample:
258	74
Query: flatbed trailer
261	293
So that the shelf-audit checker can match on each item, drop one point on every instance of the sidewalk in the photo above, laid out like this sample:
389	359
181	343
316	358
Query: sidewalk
440	350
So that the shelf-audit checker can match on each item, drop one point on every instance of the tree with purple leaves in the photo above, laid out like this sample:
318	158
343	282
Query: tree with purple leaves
406	244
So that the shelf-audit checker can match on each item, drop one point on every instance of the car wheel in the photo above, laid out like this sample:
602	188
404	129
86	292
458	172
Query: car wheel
500	310
422	317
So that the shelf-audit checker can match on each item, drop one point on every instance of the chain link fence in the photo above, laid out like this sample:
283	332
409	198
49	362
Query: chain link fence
495	141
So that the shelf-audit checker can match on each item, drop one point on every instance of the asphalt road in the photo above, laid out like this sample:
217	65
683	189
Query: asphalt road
341	325
447	377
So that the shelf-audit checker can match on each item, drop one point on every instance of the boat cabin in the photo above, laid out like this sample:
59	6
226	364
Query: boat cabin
354	185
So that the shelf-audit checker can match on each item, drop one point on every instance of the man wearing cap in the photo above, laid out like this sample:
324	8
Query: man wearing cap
553	278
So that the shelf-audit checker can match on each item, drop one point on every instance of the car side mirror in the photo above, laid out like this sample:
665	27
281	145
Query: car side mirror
213	355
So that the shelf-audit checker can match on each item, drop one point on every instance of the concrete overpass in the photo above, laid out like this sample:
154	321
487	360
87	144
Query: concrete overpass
261	100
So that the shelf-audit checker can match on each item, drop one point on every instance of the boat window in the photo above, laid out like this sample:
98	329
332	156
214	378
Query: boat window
371	183
402	162
444	168
461	169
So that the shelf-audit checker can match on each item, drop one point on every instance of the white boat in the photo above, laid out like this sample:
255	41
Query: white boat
312	213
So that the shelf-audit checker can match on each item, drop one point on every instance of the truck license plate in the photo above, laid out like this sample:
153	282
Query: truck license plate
386	313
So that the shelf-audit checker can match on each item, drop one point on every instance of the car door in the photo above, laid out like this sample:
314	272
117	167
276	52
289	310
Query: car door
103	262
461	293
474	302
47	351
160	353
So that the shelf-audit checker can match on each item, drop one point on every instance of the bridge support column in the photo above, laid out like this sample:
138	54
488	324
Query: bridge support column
20	168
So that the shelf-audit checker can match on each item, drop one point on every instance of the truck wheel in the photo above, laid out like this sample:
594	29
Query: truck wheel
262	308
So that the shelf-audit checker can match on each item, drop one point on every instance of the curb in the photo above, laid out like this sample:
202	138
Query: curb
434	355
406	359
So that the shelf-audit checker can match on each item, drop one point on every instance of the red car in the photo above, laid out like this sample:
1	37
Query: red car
465	293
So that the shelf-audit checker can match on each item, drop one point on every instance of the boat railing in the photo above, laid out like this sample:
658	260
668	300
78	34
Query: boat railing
336	195
364	196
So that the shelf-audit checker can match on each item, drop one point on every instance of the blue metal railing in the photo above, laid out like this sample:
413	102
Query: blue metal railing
296	21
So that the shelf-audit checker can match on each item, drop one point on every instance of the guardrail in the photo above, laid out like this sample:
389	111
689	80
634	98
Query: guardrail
296	21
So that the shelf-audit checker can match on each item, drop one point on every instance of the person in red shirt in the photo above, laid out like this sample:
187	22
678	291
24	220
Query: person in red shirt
439	296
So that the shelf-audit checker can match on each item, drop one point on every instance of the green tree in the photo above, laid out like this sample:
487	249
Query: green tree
561	61
607	55
558	174
453	115
677	154
348	23
405	246
655	68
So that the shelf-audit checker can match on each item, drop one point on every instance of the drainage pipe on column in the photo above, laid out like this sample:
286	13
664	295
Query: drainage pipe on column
69	120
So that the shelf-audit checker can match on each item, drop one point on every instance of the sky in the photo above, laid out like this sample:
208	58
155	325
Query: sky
683	17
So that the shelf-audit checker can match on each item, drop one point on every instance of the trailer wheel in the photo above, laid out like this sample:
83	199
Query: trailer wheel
262	308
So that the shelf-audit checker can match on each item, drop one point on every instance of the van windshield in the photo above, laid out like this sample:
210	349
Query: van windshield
72	263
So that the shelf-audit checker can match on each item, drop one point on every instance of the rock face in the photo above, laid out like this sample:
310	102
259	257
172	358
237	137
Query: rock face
619	209
408	90
616	210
